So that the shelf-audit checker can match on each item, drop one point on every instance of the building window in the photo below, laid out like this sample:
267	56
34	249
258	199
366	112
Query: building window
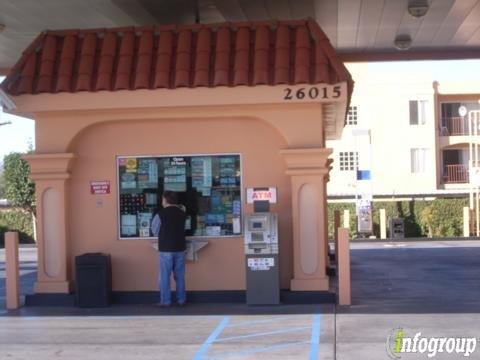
418	112
208	186
352	116
419	160
348	160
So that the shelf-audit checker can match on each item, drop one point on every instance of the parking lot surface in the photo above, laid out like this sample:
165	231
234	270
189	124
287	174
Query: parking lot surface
426	287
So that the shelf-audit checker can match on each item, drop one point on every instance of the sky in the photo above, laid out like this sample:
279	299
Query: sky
16	136
21	132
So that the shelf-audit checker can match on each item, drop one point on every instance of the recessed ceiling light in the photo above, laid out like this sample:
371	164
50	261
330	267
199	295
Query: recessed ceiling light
418	8
403	42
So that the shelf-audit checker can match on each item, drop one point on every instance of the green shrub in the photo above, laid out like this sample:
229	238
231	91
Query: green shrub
16	220
440	217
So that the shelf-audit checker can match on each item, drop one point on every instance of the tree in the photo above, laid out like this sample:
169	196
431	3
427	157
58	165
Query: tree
19	189
2	186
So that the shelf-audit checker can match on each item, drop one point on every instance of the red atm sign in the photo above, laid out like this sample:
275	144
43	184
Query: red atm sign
99	187
262	194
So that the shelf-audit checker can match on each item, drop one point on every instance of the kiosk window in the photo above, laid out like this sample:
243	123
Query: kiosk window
208	186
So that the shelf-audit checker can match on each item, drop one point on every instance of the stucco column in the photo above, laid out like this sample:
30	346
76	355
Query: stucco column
308	169
50	173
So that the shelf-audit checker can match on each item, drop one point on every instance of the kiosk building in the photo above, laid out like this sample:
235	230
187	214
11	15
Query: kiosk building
205	110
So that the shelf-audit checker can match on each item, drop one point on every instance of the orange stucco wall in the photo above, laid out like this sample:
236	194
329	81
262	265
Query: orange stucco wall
134	262
282	143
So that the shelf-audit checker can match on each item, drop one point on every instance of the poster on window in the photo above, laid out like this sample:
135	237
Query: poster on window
131	165
201	172
144	224
147	173
129	225
175	174
128	181
227	171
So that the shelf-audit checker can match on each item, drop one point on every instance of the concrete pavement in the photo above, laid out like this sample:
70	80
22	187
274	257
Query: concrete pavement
424	287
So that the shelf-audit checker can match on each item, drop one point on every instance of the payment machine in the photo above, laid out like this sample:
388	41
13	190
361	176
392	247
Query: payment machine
261	254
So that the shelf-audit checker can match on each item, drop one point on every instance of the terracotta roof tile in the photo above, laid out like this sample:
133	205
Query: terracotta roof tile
106	62
144	61
65	66
282	55
241	61
182	63
87	61
125	61
169	56
27	75
202	58
260	62
164	60
47	62
222	57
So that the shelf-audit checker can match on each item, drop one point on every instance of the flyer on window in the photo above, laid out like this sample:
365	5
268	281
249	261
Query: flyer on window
147	173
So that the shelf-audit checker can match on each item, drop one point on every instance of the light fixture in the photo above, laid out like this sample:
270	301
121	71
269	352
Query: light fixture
417	8
403	42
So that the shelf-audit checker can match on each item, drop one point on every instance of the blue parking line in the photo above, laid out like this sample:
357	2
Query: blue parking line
259	350
255	322
315	341
213	336
283	331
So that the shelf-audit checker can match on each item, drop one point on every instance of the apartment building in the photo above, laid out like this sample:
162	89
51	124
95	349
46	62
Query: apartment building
418	143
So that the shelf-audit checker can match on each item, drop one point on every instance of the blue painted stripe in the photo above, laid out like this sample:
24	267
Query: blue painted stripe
264	333
315	341
213	336
255	322
259	350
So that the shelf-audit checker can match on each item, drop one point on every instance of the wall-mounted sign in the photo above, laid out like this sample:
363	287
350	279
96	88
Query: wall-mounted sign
262	194
100	187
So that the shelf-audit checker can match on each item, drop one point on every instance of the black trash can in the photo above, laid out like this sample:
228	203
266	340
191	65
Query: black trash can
93	280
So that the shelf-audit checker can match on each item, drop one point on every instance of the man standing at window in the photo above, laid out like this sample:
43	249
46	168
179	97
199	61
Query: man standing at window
172	246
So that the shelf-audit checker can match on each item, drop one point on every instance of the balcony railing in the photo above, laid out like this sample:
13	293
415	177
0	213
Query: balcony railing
454	126
455	174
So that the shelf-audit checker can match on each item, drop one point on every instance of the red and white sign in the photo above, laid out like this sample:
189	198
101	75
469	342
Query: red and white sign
264	194
100	187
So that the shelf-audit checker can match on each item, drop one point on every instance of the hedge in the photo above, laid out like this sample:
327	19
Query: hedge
439	218
16	220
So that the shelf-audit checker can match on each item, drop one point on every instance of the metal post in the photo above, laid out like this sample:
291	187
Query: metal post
470	161
336	225
475	156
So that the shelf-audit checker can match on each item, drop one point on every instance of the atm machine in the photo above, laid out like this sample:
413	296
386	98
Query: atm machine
261	255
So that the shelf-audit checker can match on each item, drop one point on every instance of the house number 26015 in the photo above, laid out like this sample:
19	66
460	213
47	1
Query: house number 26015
313	93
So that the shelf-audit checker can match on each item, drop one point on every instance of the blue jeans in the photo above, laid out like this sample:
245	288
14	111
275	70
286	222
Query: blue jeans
172	262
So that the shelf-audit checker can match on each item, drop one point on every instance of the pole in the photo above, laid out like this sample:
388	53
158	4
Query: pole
12	281
470	161
475	154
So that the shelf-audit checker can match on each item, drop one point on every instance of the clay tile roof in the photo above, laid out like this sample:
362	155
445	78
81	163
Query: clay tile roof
226	54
